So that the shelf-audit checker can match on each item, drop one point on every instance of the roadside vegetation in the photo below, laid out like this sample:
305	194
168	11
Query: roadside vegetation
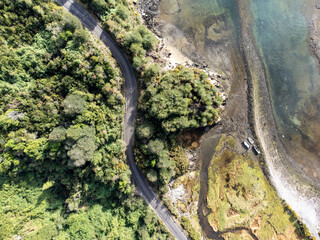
179	100
170	101
170	104
63	172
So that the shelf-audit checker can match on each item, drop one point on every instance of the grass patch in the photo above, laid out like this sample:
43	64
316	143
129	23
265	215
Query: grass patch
240	196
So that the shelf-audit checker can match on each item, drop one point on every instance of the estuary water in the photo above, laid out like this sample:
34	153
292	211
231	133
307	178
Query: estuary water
281	32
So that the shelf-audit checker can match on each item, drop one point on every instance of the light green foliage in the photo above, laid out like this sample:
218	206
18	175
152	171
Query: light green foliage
151	71
75	132
82	151
36	212
121	19
81	36
187	225
145	130
156	146
152	176
26	209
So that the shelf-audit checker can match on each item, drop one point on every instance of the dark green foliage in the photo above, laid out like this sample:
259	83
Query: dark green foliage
180	100
71	23
54	105
141	37
99	6
121	19
170	102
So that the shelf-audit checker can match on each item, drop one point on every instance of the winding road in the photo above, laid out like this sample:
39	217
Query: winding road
141	184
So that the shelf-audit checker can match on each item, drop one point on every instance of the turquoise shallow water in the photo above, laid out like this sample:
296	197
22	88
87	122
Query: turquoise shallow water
281	31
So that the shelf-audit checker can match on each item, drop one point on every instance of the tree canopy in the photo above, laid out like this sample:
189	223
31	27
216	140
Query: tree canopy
63	171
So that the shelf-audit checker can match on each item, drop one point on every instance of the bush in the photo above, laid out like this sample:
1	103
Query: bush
187	225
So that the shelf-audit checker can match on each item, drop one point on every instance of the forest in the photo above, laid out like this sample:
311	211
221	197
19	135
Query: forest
63	172
171	101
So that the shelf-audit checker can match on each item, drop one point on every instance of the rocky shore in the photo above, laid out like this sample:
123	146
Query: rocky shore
174	44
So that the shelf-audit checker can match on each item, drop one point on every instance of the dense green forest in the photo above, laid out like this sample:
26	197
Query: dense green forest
170	101
63	173
173	102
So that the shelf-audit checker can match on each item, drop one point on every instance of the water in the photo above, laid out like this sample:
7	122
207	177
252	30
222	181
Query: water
281	32
281	29
209	23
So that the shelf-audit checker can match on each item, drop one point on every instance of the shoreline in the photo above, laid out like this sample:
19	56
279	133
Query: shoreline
170	52
301	197
287	182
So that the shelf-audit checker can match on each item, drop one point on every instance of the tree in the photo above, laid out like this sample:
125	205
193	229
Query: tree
164	161
149	41
74	132
82	151
58	134
99	6
156	146
145	130
81	36
152	176
73	104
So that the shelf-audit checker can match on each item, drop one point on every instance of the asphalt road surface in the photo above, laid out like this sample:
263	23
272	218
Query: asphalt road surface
130	110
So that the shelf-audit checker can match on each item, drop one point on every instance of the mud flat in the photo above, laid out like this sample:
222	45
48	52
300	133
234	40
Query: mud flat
302	197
